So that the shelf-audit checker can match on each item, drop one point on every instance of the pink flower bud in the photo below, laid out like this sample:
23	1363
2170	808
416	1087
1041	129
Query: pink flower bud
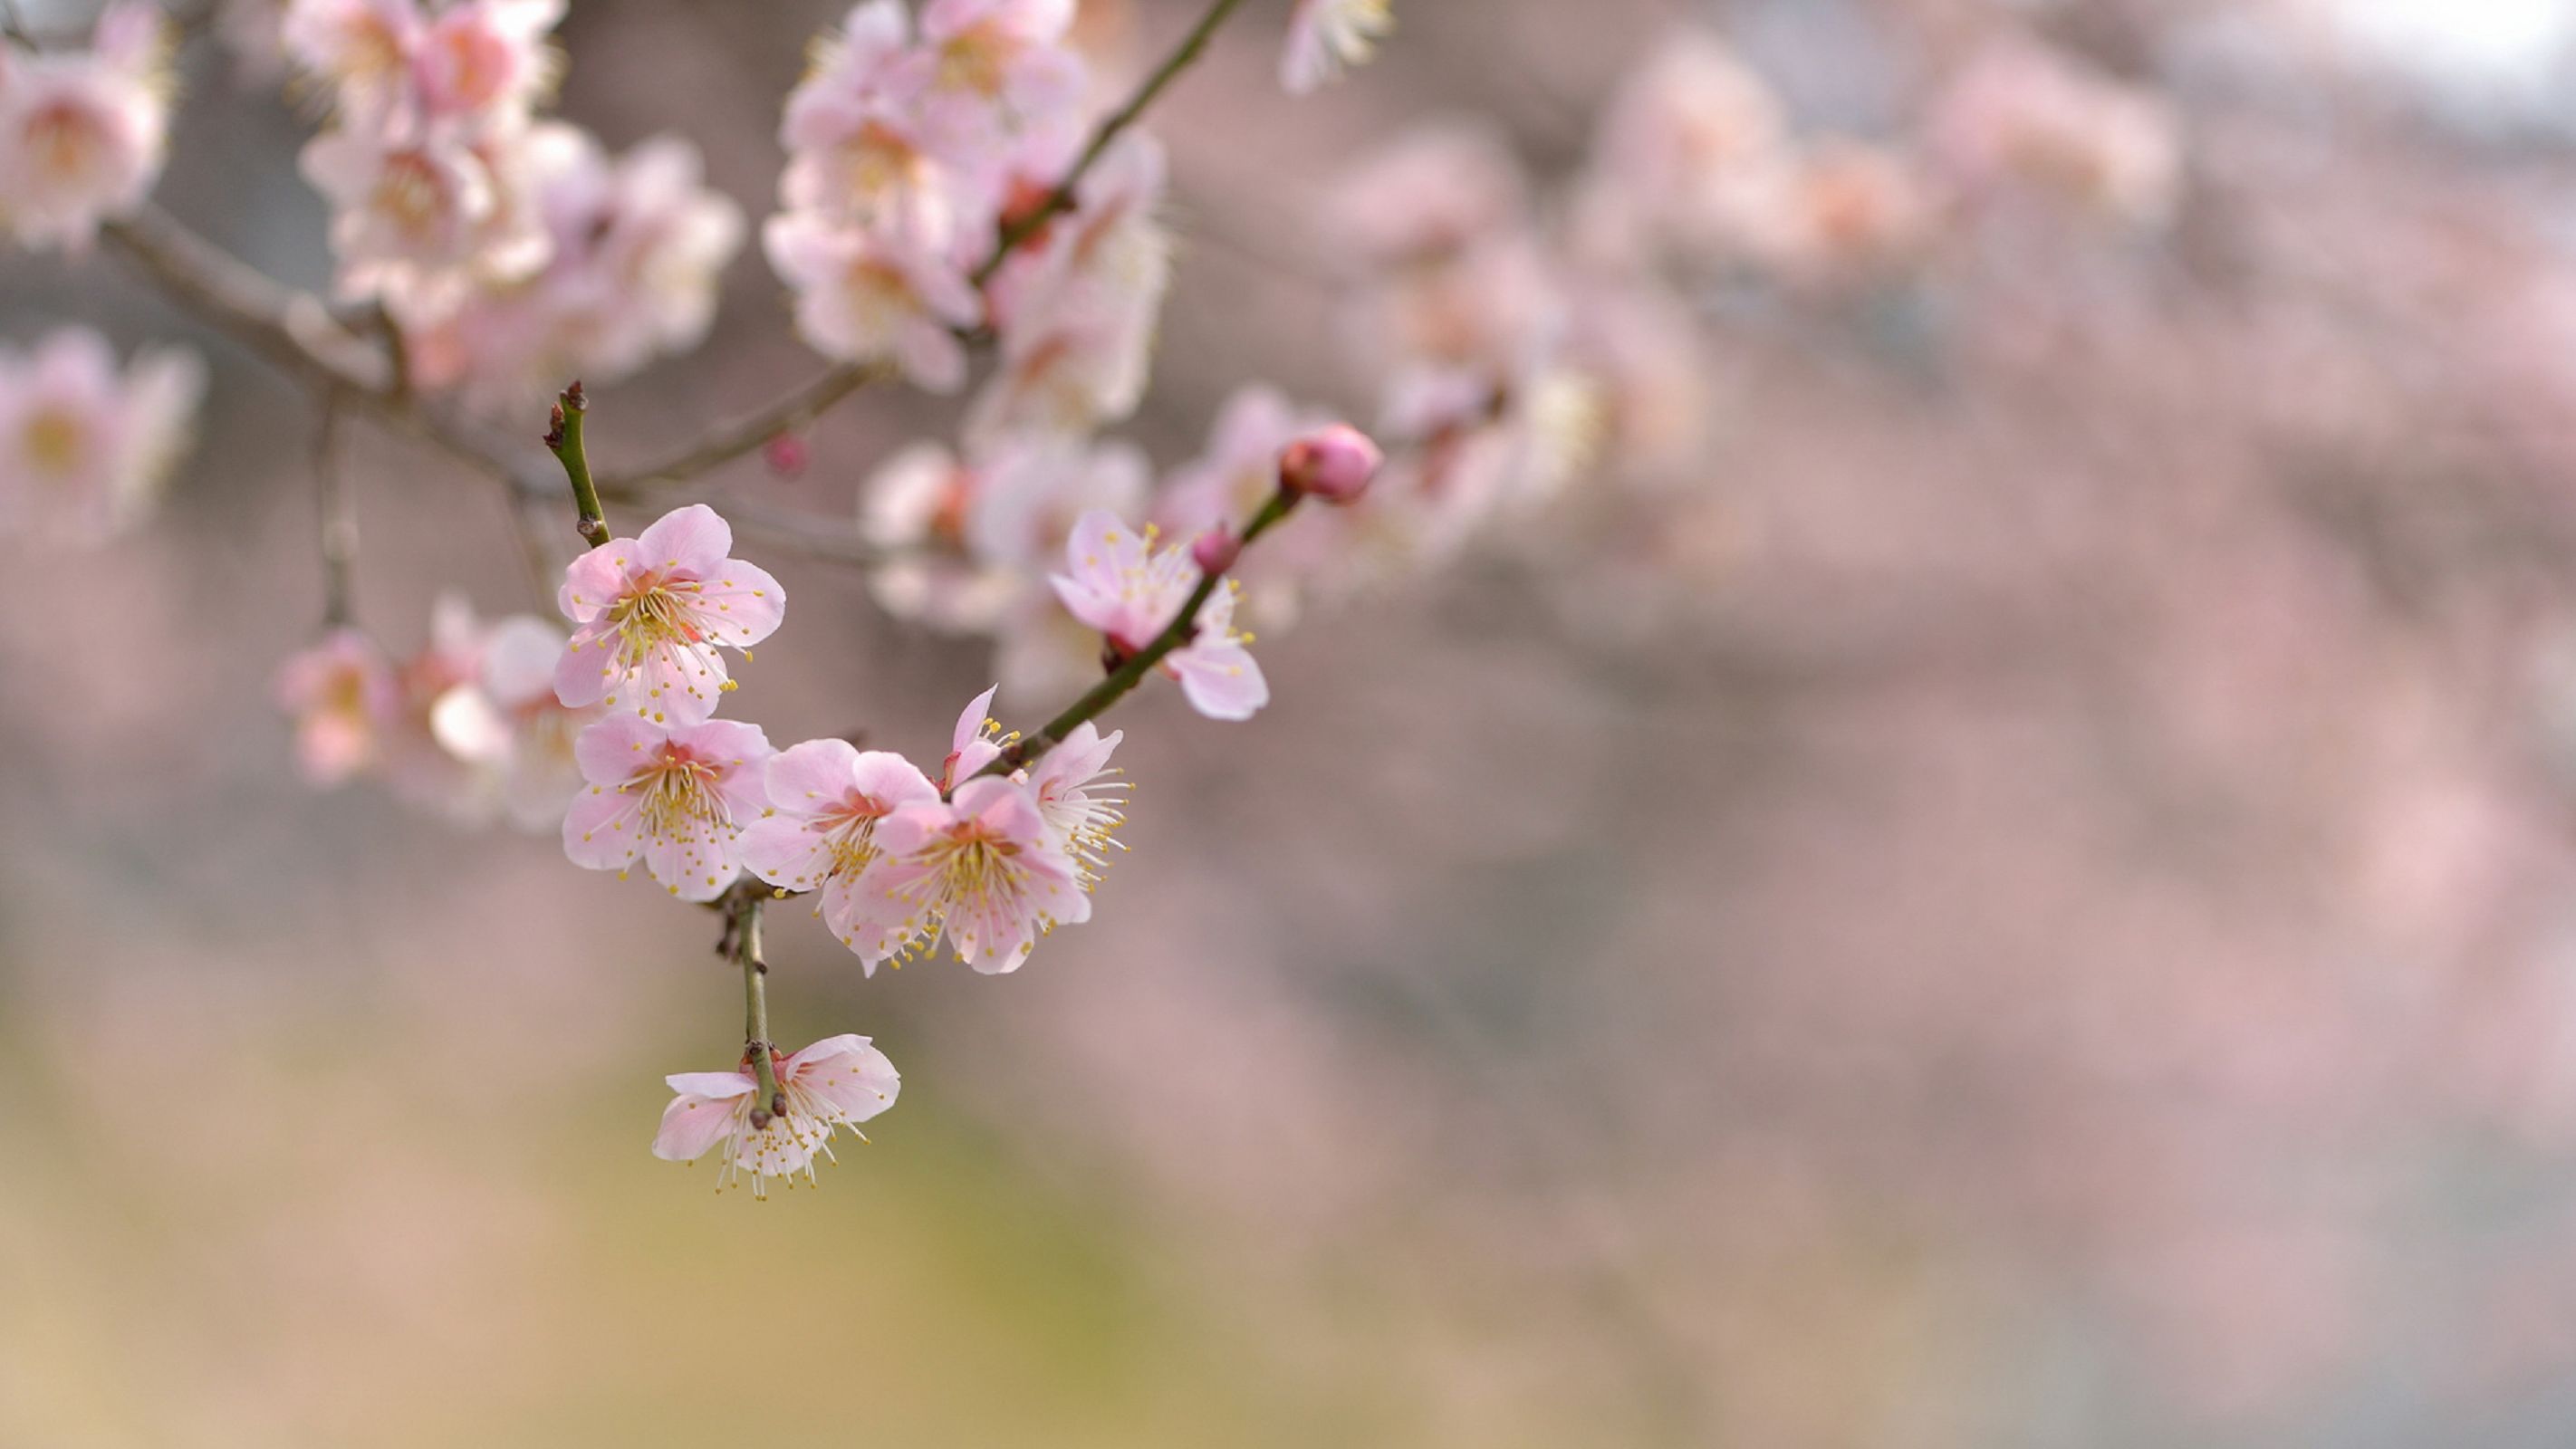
1215	550
1335	463
786	455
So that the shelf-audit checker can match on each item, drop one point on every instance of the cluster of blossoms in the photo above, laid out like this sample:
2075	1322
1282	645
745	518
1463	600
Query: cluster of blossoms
83	133
84	448
469	726
511	249
1002	845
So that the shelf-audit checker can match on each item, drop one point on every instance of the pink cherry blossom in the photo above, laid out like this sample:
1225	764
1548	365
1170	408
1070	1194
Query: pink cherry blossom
978	868
869	296
678	797
998	78
636	245
837	1082
1076	312
361	49
2023	112
1693	151
1082	798
860	150
973	744
1117	582
1234	475
485	58
915	509
83	448
419	214
1326	35
651	613
444	744
82	134
340	693
516	725
826	800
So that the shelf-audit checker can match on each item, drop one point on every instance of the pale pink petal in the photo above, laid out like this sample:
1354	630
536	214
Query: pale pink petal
784	851
594	581
847	1073
719	1085
690	542
1221	680
740	604
601	831
891	780
681	682
692	1124
815	775
587	669
611	751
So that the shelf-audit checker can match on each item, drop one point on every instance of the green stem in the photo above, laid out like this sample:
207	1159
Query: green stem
1061	199
755	995
1132	671
564	440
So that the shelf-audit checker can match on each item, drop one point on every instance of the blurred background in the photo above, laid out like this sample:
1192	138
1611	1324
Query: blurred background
2018	892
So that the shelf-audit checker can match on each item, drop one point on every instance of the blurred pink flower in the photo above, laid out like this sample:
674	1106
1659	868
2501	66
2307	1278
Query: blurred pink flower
840	1081
874	296
1077	307
340	692
998	78
654	610
485	57
2021	112
676	796
538	774
418	214
1326	35
82	134
83	448
1118	583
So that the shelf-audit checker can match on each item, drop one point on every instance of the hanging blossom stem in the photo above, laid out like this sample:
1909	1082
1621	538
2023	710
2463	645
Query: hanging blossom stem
1132	671
1061	199
564	441
755	997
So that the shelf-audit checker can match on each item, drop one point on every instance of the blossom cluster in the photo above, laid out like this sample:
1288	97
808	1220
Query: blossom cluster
83	132
468	726
510	248
85	447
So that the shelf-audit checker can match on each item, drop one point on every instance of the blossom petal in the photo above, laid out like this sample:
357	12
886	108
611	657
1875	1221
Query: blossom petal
611	751
1222	681
600	831
740	604
694	1123
689	542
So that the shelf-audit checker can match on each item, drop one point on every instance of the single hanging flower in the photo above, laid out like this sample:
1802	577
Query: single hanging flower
840	1081
1117	582
652	612
678	797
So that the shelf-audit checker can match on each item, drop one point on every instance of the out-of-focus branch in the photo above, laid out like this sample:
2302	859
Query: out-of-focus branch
336	518
730	440
1060	200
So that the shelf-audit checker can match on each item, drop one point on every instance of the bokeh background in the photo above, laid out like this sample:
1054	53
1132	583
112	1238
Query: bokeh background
2025	899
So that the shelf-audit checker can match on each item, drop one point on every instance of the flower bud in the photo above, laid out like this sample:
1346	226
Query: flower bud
786	455
1216	550
1335	463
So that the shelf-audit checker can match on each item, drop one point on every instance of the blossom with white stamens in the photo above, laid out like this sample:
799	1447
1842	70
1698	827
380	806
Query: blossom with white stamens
840	1081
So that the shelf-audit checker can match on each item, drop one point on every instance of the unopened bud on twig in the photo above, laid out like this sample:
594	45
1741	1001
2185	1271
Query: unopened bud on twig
1334	463
1216	550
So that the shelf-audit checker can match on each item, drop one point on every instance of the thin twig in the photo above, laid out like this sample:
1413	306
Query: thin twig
743	930
730	440
564	441
336	520
1130	672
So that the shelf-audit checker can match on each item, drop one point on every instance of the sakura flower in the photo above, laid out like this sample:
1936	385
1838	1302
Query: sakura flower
1326	35
340	693
999	78
678	797
915	508
978	868
1080	797
826	799
1117	582
1034	489
2023	112
837	1082
866	296
1694	146
507	722
485	58
1235	474
361	49
82	134
973	744
635	248
83	449
418	214
444	743
652	611
860	150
